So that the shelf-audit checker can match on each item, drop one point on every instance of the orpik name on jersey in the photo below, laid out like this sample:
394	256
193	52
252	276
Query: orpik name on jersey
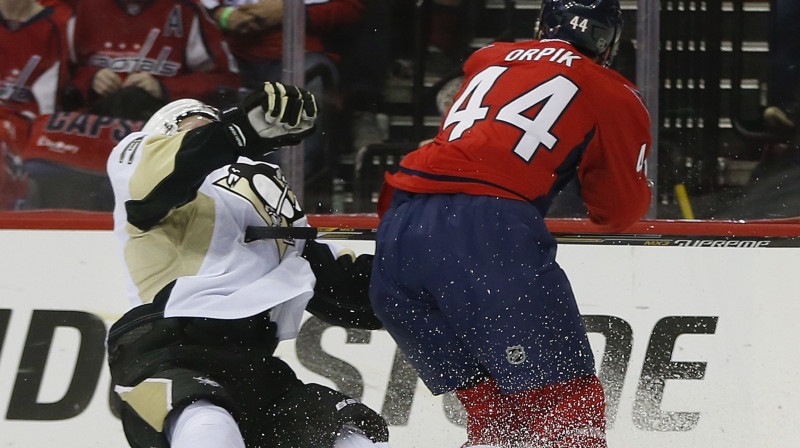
550	54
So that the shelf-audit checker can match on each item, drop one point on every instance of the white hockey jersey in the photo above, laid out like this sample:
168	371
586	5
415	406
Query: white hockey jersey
183	204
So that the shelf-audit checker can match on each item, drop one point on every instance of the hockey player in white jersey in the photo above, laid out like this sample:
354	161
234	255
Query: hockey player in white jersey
192	361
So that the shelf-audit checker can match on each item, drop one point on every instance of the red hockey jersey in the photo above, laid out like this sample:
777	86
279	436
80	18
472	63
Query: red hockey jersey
173	40
528	117
33	66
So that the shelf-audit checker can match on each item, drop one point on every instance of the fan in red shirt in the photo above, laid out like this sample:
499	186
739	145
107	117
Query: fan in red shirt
465	276
33	73
254	30
253	27
134	56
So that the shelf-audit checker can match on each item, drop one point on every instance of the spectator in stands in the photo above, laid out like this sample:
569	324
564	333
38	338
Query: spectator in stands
130	57
783	78
773	189
364	77
33	73
448	39
445	44
253	28
465	276
192	361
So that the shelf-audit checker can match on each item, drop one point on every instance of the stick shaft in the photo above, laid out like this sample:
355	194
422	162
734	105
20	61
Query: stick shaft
368	234
309	233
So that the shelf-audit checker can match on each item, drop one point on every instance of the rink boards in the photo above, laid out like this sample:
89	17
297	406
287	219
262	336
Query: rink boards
695	343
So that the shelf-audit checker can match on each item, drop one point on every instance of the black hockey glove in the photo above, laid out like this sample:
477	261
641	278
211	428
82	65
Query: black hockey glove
274	116
341	295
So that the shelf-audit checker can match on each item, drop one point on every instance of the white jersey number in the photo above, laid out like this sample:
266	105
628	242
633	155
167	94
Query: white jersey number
466	117
554	95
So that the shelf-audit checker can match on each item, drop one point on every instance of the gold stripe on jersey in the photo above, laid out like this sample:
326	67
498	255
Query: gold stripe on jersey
156	163
175	248
151	399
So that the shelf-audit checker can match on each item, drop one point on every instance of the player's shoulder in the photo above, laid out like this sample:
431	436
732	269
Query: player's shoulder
135	135
607	85
496	49
126	145
560	54
493	53
130	149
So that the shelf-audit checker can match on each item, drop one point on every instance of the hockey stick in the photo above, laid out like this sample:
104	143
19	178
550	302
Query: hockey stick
308	233
368	234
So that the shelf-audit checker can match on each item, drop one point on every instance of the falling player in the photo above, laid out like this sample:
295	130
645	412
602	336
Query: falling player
192	361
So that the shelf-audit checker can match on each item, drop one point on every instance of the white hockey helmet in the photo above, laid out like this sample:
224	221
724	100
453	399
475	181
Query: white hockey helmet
165	120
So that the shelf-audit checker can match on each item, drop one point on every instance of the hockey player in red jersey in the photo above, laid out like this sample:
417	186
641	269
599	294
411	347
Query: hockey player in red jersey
169	49
465	276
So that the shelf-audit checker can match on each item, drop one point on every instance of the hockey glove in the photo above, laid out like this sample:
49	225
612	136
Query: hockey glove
274	116
341	295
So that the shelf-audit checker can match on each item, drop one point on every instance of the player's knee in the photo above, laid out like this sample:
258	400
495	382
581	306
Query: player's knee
204	425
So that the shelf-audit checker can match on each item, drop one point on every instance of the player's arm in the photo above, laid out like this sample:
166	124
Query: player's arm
341	294
173	167
614	185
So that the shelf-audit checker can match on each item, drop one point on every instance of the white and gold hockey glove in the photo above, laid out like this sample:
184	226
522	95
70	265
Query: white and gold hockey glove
277	115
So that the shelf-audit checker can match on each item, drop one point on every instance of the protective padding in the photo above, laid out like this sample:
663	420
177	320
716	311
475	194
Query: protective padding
312	416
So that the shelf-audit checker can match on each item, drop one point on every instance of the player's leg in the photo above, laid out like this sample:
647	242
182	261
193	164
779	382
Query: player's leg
512	306
144	352
565	415
428	342
411	253
487	422
203	425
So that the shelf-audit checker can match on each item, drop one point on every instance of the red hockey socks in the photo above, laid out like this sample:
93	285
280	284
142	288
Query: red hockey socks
563	415
486	420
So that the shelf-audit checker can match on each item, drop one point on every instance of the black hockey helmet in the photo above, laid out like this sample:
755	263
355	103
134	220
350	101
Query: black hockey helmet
593	26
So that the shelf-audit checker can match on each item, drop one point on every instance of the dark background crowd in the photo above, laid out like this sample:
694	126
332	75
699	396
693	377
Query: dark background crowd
77	75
